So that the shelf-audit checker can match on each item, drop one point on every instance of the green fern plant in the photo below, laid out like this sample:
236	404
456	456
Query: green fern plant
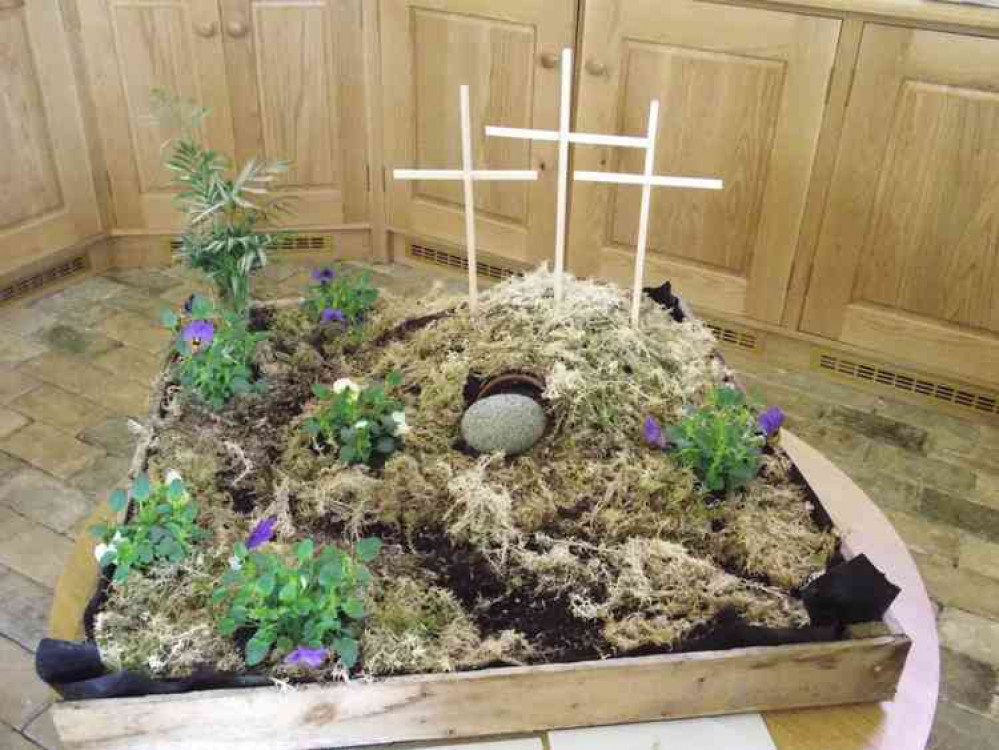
223	213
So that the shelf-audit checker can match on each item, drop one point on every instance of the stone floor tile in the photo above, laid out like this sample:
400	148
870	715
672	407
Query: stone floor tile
69	339
51	450
151	280
75	375
10	465
101	477
140	303
970	634
33	550
878	428
134	364
957	587
177	296
842	446
14	383
927	537
13	740
11	422
979	556
956	510
742	730
24	608
42	730
42	498
986	490
942	475
114	435
957	728
22	694
24	321
966	681
55	406
887	491
15	349
524	743
92	289
137	331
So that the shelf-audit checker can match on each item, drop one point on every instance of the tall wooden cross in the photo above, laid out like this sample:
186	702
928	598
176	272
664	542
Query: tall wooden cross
468	175
647	180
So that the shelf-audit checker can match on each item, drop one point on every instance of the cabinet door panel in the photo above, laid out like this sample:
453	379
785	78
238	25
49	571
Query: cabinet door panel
742	92
297	89
47	199
134	47
908	259
430	48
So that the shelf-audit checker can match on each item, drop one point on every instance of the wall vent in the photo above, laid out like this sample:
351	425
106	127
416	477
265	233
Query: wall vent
291	243
486	266
741	338
29	284
931	389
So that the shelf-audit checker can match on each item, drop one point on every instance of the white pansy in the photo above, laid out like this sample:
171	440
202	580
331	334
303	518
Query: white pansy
399	417
361	424
100	550
171	475
345	384
235	563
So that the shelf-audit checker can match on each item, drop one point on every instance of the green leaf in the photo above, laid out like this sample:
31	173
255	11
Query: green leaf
266	583
354	608
99	530
169	319
385	445
311	426
368	548
347	454
288	592
140	487
329	574
227	626
176	491
347	649
258	648
304	550
118	501
108	557
394	378
321	391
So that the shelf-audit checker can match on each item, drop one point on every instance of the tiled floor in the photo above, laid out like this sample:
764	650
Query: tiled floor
75	367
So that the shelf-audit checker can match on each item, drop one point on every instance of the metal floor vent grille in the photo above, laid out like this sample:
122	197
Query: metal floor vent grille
29	284
738	337
292	243
485	267
963	396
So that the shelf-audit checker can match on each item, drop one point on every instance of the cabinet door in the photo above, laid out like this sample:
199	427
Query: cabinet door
47	199
430	48
742	93
133	47
297	91
908	258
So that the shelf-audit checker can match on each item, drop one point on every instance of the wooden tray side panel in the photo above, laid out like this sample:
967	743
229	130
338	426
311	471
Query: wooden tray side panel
497	701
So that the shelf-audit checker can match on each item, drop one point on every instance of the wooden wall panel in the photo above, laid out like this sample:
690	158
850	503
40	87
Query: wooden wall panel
29	182
720	114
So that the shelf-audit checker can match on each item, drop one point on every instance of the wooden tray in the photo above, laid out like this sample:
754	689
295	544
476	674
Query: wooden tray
474	704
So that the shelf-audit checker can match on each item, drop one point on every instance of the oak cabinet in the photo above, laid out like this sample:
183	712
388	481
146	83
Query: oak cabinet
742	92
507	53
47	197
908	257
280	77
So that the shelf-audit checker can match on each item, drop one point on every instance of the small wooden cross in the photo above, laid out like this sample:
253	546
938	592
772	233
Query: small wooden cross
468	175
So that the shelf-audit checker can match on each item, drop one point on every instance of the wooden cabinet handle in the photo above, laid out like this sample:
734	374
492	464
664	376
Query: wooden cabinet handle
595	67
237	29
548	60
207	29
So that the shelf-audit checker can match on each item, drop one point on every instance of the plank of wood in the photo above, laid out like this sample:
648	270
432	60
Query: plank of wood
518	699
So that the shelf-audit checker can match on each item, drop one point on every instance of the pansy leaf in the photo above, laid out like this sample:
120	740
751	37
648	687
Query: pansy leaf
227	626
346	648
321	391
169	318
385	445
140	487
118	501
258	647
304	550
354	608
368	548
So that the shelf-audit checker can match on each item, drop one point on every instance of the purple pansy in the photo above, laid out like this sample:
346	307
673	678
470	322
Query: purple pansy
770	420
262	533
653	432
324	275
198	334
310	657
332	313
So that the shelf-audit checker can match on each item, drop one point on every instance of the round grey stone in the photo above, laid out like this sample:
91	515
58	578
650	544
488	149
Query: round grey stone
507	423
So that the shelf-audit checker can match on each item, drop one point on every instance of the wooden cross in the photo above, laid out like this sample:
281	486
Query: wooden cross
468	175
647	180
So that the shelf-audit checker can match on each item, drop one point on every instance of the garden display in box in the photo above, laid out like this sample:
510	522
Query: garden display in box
357	519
